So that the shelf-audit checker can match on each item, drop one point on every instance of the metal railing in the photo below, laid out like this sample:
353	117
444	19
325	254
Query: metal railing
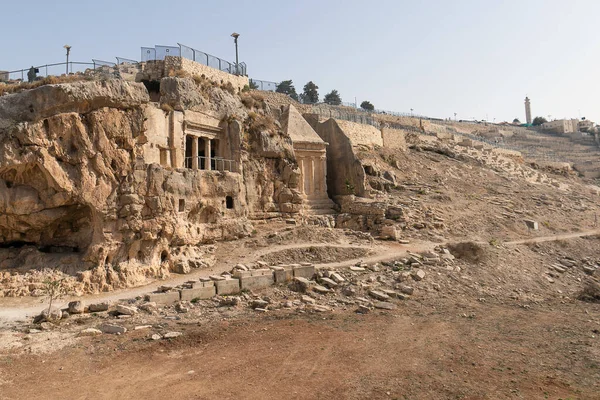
266	86
160	52
74	67
216	163
55	69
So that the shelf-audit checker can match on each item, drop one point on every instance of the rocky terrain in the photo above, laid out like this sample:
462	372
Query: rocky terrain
464	272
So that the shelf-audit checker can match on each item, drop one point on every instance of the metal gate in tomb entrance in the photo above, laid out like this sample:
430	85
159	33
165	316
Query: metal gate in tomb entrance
203	150
310	151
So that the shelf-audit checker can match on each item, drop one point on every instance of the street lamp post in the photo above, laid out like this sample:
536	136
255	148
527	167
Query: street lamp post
235	37
454	117
411	112
66	46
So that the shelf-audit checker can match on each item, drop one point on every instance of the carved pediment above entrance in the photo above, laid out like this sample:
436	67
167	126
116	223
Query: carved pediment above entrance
196	129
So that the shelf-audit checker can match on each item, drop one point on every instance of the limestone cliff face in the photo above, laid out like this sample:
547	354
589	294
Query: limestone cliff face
78	195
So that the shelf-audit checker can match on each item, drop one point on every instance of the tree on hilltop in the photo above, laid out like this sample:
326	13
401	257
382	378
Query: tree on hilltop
366	105
516	121
287	87
538	121
333	98
252	85
310	94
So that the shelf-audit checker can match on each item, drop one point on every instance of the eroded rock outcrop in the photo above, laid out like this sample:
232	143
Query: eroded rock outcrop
81	191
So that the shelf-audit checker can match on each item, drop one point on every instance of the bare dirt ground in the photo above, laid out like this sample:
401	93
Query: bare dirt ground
455	349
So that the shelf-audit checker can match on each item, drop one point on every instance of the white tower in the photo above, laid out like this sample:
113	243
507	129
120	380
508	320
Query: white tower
527	111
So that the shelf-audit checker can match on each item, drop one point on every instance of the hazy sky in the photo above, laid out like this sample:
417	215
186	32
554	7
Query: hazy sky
475	58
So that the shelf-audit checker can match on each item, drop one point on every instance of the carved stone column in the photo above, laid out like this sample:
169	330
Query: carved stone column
302	175
207	154
194	152
324	174
311	176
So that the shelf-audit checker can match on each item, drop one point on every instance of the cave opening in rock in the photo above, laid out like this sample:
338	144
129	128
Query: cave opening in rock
229	202
164	256
153	88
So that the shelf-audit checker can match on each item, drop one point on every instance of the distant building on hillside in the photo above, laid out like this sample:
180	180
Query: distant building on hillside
527	111
568	125
3	76
560	126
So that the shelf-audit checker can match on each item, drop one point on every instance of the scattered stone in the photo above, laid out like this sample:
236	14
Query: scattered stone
384	305
99	307
54	315
363	309
300	285
531	224
156	336
46	326
377	295
90	332
148	306
139	327
180	308
112	329
76	307
418	274
261	310
308	299
568	263
330	283
320	289
406	289
560	269
589	270
229	301
403	241
320	308
126	310
259	304
172	335
550	279
357	269
164	288
337	278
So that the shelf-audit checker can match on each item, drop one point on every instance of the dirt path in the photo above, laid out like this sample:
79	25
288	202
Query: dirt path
553	238
14	309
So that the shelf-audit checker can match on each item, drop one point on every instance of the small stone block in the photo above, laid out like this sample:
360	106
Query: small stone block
307	271
163	298
228	286
217	277
261	272
256	282
283	274
241	274
198	293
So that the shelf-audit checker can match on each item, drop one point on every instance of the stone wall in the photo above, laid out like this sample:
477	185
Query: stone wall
345	174
158	69
394	138
359	134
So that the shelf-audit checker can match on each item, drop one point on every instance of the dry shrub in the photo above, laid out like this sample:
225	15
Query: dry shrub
590	292
247	100
166	107
261	123
228	87
180	73
469	251
259	100
49	80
